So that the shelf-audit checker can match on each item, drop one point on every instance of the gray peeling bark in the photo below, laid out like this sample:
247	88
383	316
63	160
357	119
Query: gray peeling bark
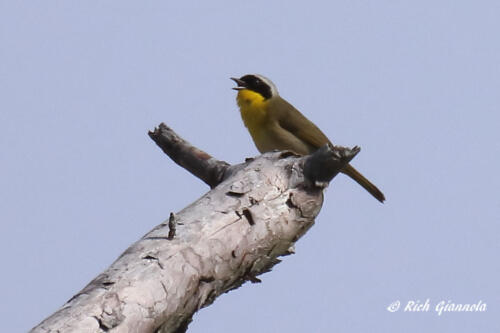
254	214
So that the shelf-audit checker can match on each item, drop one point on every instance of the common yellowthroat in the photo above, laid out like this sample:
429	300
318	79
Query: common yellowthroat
274	123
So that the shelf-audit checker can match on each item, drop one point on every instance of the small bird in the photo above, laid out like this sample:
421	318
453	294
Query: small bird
274	124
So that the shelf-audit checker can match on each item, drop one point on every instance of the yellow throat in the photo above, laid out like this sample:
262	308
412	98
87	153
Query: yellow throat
253	109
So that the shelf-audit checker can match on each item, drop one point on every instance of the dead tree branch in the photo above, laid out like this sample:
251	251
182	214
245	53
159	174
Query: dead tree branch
254	214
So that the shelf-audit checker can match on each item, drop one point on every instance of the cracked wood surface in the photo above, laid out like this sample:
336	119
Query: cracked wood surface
229	236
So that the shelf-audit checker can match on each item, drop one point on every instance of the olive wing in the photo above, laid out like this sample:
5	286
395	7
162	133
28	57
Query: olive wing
290	119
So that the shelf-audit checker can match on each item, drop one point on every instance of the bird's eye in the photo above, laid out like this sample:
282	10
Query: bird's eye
257	81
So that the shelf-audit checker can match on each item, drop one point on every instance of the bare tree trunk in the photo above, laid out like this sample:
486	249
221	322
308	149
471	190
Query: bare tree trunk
254	214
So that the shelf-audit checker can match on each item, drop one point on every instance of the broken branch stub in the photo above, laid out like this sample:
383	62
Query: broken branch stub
194	160
254	214
326	163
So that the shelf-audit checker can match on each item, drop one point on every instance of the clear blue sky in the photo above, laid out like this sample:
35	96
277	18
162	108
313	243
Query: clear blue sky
414	83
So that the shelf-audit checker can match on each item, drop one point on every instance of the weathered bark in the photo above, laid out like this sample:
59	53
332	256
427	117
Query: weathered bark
253	215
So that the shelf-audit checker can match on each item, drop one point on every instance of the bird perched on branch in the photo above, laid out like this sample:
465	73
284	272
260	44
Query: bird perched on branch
274	123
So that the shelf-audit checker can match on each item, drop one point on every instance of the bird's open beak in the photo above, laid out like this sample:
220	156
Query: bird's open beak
241	84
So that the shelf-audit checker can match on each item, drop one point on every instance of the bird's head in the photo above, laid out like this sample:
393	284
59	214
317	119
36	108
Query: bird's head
258	84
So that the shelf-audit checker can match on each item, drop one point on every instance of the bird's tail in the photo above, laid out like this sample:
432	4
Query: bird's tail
361	180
